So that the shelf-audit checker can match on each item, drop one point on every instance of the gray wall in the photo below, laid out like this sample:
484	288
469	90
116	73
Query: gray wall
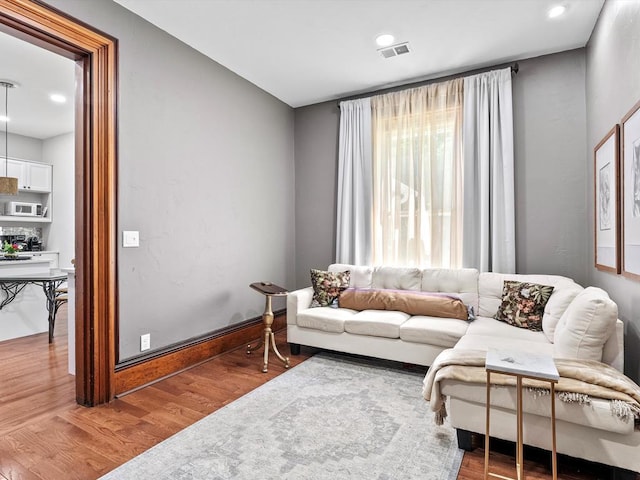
21	147
613	87
549	131
59	151
551	181
205	173
316	139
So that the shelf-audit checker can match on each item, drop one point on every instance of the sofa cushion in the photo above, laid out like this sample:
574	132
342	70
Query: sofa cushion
523	304
327	286
596	414
586	325
462	282
407	301
327	319
361	276
486	342
495	328
442	332
377	323
397	278
560	299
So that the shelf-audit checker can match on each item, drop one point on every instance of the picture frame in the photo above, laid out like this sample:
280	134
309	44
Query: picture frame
606	202
630	202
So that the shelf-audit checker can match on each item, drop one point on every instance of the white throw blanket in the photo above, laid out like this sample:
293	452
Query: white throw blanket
580	380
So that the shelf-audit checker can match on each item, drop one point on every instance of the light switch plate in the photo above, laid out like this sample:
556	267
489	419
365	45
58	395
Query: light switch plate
130	238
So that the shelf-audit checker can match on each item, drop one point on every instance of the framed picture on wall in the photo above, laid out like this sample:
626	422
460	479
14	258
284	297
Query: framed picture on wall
606	174
630	168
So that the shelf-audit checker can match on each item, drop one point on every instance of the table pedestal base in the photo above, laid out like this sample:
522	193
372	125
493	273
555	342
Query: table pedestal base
269	339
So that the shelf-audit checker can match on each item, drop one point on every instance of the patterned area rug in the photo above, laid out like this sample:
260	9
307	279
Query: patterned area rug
331	417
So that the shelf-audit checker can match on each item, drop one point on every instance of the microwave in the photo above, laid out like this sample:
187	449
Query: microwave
23	209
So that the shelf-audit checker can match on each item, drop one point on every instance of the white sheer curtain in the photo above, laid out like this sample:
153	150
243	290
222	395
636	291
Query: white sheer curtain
417	176
353	232
489	212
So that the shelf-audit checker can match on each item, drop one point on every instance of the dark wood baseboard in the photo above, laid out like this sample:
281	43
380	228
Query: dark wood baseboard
150	370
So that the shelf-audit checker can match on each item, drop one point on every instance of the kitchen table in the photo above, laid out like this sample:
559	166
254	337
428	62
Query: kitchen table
12	285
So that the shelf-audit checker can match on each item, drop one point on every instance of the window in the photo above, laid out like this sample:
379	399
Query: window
417	176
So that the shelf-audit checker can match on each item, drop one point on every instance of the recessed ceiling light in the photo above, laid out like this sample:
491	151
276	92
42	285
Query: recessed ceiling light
556	11
384	40
56	97
4	119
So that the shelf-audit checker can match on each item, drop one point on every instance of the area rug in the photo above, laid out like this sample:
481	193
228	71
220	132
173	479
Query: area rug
331	417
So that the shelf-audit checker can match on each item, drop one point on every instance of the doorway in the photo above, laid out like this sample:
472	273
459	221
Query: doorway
95	183
41	145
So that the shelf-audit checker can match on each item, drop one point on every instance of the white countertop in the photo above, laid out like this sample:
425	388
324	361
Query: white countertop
35	259
38	253
33	266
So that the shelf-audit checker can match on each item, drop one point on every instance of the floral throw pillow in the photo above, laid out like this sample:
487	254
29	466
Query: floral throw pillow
327	287
523	304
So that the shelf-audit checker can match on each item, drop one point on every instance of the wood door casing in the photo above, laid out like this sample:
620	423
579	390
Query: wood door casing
95	54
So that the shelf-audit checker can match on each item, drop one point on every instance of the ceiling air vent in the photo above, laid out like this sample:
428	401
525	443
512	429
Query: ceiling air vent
394	50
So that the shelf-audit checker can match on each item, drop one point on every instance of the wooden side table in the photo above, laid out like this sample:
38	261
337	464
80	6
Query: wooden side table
521	365
269	290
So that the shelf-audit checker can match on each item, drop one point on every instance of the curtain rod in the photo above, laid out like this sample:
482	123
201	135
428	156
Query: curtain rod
514	70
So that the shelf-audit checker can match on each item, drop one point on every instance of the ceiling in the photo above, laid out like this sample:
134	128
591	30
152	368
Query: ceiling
309	51
39	73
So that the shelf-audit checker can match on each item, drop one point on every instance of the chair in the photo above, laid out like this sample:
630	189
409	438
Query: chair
61	297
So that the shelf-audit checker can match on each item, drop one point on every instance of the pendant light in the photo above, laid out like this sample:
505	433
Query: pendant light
8	185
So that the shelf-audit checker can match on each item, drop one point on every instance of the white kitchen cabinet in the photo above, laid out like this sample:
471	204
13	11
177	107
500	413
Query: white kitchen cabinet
32	176
40	177
34	186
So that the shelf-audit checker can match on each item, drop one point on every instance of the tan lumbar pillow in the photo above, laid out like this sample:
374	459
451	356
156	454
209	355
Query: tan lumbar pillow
411	302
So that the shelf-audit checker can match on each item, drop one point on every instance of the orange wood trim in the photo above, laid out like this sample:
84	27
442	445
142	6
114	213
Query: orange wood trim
615	132
159	367
96	298
83	154
629	114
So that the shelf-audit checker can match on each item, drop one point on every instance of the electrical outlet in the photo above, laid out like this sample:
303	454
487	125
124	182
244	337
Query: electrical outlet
145	342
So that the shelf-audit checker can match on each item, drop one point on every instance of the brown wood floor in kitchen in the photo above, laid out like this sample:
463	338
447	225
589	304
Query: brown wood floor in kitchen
45	435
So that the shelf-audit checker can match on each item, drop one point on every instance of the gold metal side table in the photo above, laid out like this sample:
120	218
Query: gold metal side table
521	365
269	290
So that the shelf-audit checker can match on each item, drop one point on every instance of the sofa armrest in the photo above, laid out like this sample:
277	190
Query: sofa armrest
297	301
613	351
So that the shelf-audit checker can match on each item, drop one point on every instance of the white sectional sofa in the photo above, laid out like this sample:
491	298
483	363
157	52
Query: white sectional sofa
570	330
412	340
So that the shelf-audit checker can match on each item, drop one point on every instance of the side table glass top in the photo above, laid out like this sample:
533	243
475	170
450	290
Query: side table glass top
517	362
268	288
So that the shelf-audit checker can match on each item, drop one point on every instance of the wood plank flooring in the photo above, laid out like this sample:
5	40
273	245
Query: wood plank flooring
44	435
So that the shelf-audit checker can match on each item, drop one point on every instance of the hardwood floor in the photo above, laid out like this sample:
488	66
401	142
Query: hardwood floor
44	435
537	464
